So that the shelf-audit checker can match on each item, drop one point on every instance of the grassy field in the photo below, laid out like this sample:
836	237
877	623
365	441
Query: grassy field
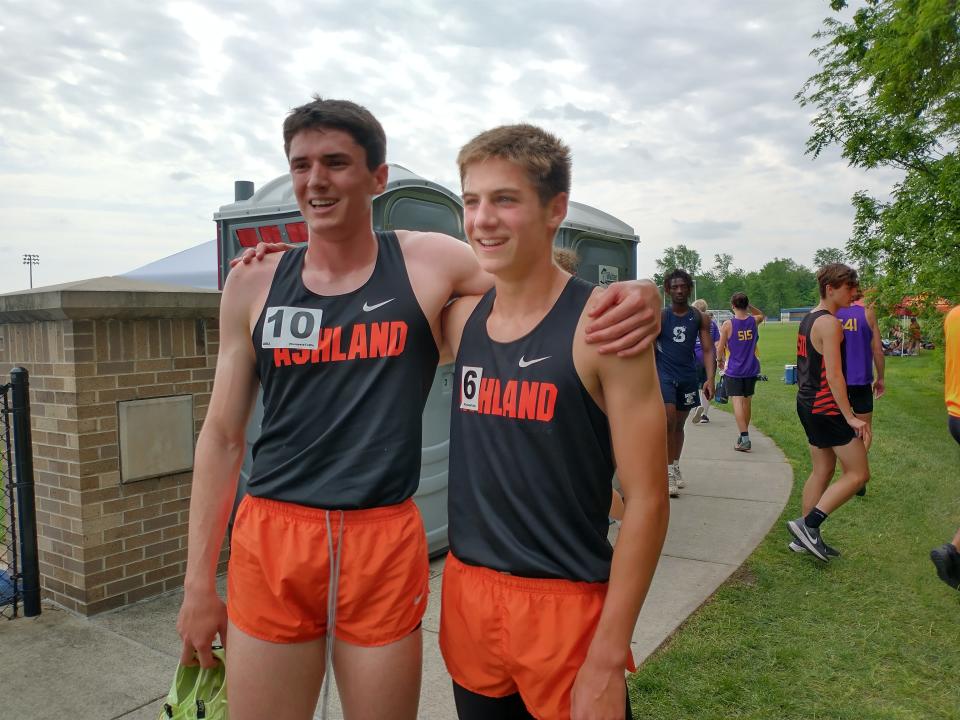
874	634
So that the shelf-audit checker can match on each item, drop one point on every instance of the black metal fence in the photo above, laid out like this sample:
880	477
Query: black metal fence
19	562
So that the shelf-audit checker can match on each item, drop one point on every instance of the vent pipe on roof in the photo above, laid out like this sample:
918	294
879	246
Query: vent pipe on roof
242	190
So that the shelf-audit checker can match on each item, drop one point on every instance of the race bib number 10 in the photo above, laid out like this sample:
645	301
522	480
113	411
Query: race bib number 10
291	327
470	387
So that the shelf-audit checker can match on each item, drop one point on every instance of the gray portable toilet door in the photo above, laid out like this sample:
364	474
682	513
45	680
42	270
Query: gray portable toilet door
603	260
409	209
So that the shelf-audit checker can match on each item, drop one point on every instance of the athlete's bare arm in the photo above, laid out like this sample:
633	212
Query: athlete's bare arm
625	320
725	331
628	392
826	335
709	355
219	453
455	316
757	313
876	349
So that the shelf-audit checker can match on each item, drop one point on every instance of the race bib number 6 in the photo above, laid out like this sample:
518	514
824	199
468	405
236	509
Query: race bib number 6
291	327
470	387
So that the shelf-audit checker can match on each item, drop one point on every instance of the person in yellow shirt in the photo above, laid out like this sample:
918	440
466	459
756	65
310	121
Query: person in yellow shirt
946	558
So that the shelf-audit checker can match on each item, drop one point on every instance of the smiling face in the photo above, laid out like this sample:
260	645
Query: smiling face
508	226
331	181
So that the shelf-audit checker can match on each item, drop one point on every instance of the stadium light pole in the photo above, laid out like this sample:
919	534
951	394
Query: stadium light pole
31	259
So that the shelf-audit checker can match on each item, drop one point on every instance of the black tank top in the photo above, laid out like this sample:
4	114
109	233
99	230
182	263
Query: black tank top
345	379
813	391
530	456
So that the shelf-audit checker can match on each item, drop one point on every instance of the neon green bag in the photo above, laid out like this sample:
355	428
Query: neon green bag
198	693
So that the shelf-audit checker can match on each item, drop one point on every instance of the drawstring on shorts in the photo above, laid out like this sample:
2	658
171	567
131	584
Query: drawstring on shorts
334	555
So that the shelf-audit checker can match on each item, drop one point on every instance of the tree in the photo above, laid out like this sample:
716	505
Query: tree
721	266
887	95
826	256
680	257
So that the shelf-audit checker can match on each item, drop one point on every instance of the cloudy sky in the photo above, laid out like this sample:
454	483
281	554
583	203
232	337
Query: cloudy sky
123	124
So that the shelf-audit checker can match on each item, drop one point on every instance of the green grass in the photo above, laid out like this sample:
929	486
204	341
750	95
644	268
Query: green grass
874	634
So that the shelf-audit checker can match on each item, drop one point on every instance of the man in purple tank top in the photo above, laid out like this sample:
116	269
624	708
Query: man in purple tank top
739	336
861	341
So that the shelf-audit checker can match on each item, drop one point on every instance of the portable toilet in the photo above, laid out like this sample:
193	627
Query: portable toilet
607	246
410	202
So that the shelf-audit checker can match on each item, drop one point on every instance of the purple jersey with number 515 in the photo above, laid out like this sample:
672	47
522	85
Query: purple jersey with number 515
743	362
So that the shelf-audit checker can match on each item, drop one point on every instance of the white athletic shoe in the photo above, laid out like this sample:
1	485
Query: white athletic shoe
681	483
697	414
672	482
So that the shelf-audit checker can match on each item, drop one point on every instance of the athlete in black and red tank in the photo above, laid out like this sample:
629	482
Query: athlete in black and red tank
538	610
523	416
823	407
334	365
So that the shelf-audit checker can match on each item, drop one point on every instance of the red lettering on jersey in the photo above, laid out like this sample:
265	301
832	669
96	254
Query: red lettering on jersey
546	401
802	345
496	409
528	400
337	353
398	337
301	357
379	335
485	399
281	357
510	399
358	343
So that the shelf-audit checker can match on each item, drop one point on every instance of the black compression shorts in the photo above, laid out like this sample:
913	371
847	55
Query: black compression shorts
861	398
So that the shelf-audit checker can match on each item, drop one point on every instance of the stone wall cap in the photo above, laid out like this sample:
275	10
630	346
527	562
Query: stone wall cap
108	297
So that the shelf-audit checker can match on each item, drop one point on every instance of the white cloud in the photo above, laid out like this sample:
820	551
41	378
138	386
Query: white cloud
122	137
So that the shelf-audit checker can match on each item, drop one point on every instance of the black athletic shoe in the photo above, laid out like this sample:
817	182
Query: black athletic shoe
862	491
798	548
808	537
947	561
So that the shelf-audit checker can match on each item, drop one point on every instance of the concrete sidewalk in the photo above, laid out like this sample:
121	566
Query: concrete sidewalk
119	664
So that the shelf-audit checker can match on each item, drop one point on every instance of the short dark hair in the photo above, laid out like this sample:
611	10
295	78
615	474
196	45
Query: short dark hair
740	301
544	156
344	115
677	274
835	275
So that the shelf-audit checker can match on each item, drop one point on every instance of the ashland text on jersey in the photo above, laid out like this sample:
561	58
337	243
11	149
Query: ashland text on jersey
813	391
345	379
530	456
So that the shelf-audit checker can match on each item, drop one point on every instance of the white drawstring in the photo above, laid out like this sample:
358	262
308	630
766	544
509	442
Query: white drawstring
332	591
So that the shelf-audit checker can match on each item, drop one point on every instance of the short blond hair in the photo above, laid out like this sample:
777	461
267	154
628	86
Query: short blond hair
545	157
701	305
567	259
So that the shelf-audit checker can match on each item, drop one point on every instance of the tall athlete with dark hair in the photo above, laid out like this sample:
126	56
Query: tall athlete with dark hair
538	610
832	429
680	324
739	335
328	547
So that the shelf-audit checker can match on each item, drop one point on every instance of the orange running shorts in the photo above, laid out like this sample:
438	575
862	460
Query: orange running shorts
501	634
279	572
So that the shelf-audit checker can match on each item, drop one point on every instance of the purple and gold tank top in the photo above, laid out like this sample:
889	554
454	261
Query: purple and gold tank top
743	361
857	337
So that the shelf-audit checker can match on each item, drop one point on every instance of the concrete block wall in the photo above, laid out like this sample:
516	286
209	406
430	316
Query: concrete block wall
104	543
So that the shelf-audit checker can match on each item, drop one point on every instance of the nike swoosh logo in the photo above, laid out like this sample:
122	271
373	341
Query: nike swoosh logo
368	308
528	363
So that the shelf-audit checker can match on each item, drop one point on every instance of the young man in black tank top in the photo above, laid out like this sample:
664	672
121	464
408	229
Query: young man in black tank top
538	612
277	649
833	430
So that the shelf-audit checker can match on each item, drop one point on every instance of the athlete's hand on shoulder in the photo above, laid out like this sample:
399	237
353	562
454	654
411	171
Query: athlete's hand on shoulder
879	388
599	693
257	253
202	616
626	318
